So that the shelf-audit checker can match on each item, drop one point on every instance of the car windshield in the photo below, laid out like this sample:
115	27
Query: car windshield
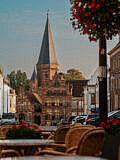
8	116
70	118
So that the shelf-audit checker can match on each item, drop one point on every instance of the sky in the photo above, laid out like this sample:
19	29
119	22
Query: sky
22	24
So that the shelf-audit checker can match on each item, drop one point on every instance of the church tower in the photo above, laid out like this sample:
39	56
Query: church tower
34	81
47	64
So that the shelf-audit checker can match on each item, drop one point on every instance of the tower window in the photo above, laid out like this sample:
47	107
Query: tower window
46	75
57	84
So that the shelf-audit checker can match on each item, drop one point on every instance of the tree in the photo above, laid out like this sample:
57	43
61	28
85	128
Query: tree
74	74
18	79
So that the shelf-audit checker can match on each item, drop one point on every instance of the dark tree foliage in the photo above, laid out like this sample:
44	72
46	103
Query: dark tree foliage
18	79
74	74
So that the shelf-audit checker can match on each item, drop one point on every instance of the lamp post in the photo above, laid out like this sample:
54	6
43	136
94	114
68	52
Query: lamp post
102	79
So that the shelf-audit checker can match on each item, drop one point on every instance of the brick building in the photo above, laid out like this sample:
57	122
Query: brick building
115	77
50	96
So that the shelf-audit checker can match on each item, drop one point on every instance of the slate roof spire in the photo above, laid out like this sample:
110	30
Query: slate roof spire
47	52
34	75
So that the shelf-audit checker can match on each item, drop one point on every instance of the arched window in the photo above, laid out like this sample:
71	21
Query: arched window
37	107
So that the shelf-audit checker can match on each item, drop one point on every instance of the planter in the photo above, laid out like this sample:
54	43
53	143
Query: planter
22	133
110	147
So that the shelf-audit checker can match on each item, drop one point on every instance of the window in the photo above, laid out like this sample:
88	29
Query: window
56	102
55	92
49	93
46	75
64	92
74	104
53	103
61	104
65	103
37	107
93	99
57	84
57	115
48	115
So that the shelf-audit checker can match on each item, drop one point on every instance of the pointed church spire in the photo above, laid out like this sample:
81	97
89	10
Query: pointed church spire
34	75
47	52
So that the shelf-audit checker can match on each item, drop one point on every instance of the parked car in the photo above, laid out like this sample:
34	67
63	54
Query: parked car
111	115
62	122
69	120
79	119
8	118
93	115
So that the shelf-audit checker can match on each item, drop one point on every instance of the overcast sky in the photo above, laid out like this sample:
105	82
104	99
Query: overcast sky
22	24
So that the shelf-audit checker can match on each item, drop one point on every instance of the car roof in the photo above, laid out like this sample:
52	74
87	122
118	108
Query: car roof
81	116
113	112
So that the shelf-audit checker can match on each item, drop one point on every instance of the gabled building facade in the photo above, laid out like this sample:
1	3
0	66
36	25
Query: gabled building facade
49	85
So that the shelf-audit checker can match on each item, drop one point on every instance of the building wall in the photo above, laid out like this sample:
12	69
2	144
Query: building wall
5	96
115	77
56	100
12	101
1	94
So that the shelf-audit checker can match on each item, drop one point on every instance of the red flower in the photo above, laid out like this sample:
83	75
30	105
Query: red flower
88	32
35	127
19	126
102	0
92	5
111	11
97	6
14	126
38	130
93	26
86	14
79	10
84	32
107	126
4	129
101	124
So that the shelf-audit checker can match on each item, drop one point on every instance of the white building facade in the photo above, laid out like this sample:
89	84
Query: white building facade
5	106
91	94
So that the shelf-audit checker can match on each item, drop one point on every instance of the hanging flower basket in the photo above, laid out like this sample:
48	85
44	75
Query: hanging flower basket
96	18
